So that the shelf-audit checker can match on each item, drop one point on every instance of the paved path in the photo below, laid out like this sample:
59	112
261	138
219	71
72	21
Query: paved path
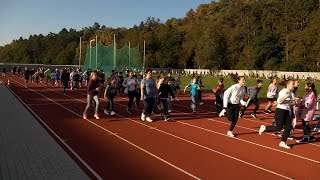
27	151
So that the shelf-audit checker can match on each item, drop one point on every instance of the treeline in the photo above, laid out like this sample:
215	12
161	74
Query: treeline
229	34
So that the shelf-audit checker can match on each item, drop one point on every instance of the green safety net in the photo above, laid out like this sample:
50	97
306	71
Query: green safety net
126	58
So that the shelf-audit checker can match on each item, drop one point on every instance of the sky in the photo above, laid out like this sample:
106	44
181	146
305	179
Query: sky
22	18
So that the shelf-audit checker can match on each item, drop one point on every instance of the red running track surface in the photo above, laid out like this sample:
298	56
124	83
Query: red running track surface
122	146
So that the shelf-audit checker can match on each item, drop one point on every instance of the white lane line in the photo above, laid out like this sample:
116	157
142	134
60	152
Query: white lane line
115	134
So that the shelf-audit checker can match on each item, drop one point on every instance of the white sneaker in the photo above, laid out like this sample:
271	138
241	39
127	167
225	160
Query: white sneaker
112	113
143	117
106	112
222	113
201	103
229	133
169	110
177	99
284	145
262	129
149	119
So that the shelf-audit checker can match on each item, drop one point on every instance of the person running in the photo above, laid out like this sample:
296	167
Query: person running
164	95
199	81
130	84
194	91
231	101
36	76
170	82
93	90
109	93
65	77
253	98
218	91
148	91
283	113
47	74
177	83
271	95
26	75
53	78
305	112
14	70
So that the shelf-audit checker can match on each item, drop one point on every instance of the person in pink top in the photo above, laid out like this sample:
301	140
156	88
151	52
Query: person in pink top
306	110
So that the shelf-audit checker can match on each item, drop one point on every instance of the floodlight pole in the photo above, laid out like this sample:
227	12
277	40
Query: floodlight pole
80	55
129	57
96	52
90	50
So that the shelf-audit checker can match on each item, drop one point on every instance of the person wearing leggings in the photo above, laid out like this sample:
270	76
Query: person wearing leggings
305	112
93	90
231	101
283	114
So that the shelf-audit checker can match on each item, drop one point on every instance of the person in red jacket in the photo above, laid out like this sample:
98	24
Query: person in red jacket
93	90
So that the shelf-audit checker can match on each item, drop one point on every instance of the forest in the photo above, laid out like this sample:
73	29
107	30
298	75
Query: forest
227	34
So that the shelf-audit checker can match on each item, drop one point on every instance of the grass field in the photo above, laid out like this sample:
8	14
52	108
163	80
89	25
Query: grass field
211	82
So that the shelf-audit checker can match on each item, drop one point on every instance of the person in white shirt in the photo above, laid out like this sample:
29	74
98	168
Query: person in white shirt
231	100
283	113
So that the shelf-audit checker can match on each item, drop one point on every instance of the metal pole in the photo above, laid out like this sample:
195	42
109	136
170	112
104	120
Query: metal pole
96	52
144	55
90	51
129	57
80	55
114	51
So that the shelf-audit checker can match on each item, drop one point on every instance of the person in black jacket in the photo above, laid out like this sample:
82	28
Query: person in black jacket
164	91
65	77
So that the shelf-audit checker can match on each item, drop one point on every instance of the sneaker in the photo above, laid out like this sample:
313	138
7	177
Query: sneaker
143	117
169	110
262	129
284	145
290	137
112	113
201	103
96	116
277	134
317	129
240	114
266	112
229	133
312	138
149	119
129	110
106	112
85	116
222	113
269	110
166	119
305	139
159	107
177	99
254	115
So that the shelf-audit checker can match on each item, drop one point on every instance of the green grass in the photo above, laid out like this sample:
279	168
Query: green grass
211	82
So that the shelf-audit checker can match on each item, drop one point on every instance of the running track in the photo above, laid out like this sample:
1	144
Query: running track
192	147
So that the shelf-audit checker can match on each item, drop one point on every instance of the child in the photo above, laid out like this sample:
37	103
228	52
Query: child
305	112
110	93
93	90
194	88
164	93
253	98
199	81
231	101
283	113
177	83
271	95
170	81
218	91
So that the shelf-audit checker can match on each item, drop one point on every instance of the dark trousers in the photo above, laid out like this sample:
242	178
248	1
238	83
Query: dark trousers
200	95
148	106
138	97
110	103
306	127
255	102
164	107
283	120
219	103
131	95
233	114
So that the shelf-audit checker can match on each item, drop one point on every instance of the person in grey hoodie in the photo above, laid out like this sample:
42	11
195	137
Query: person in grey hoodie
253	98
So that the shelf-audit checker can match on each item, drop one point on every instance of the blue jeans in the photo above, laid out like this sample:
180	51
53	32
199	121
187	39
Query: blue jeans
193	99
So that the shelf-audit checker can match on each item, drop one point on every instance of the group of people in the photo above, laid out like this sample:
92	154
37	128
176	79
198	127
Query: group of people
289	108
158	94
